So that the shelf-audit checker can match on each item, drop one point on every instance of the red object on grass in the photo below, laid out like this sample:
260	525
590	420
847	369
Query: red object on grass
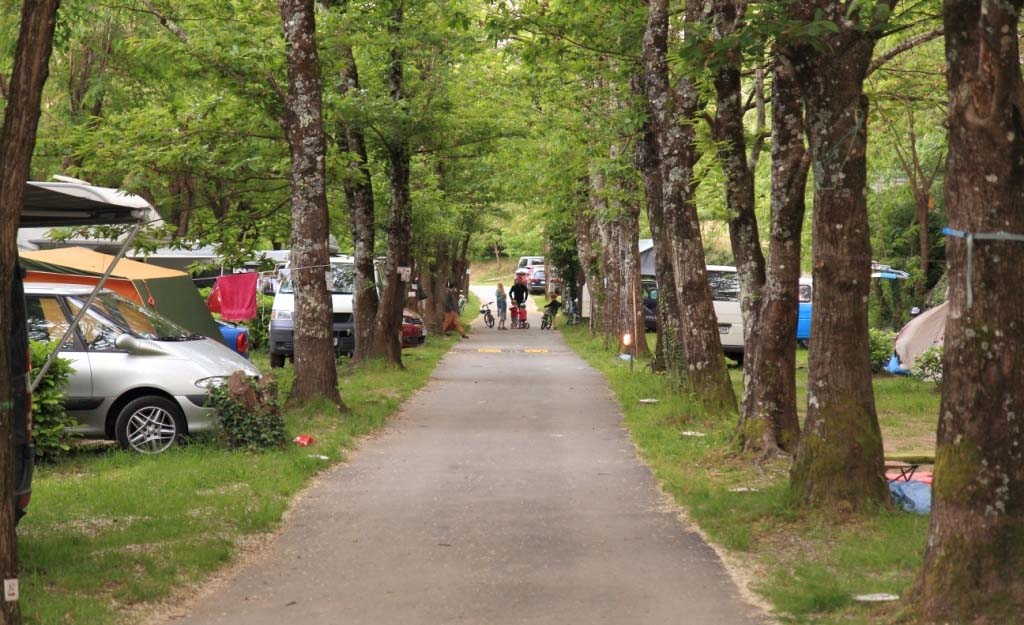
303	440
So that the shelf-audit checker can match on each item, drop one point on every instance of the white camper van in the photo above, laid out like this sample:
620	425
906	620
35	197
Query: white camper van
282	328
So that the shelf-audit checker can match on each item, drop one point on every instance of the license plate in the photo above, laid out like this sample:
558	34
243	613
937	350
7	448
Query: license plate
723	329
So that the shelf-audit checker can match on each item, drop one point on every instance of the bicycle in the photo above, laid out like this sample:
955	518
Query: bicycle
545	321
572	316
485	310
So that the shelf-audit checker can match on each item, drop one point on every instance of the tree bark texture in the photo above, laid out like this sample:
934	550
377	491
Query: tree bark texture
839	458
359	195
973	569
315	371
387	342
589	250
769	422
17	141
671	113
668	353
739	191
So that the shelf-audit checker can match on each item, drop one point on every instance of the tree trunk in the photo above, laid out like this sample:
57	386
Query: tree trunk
769	422
17	141
589	251
839	458
668	353
739	194
707	377
973	569
315	371
359	195
387	342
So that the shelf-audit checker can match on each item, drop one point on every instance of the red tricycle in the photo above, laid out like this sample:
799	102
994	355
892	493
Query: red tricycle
518	314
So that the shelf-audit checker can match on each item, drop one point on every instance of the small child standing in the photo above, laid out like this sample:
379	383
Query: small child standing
502	300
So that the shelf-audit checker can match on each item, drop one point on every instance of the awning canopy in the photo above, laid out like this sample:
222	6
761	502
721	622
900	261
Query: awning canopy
58	204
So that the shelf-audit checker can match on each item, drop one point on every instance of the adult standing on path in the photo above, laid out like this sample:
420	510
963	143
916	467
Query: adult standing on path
469	510
451	312
518	294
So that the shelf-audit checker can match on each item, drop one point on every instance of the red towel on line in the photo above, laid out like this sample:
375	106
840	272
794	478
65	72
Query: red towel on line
234	296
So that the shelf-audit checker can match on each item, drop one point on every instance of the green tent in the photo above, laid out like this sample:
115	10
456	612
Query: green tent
170	293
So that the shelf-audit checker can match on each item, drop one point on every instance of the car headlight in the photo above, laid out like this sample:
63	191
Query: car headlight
281	315
208	383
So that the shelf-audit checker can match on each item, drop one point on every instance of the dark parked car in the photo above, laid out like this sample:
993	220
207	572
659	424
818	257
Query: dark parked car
650	304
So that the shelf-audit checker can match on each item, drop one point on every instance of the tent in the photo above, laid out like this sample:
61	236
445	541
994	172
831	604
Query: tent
923	332
170	293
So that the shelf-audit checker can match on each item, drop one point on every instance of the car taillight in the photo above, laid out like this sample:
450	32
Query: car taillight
242	343
24	500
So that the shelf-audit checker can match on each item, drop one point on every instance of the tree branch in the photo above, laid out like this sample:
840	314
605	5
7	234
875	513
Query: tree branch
899	49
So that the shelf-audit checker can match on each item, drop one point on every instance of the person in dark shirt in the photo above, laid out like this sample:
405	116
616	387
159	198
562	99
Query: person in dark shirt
451	312
552	307
518	295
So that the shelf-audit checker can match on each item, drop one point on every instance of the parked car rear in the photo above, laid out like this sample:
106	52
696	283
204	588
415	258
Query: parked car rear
138	377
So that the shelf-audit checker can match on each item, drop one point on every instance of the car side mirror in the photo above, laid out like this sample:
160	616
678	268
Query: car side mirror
132	345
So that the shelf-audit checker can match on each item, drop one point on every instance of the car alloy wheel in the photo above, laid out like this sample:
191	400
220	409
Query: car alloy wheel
149	425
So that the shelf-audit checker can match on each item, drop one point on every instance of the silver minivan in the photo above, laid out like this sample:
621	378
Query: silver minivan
138	378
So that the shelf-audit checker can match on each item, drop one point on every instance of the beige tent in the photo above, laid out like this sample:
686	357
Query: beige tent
923	332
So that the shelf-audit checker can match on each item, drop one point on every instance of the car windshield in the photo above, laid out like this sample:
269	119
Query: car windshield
342	279
126	317
725	286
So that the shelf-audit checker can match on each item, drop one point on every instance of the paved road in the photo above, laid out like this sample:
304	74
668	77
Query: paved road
505	493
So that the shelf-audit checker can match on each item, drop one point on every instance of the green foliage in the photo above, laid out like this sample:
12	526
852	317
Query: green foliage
881	343
50	422
928	366
252	428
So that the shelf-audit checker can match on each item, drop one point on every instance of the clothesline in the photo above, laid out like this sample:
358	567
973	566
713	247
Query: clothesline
268	272
971	237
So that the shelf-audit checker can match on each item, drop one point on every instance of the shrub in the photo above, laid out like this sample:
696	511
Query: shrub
881	343
928	365
259	326
248	412
50	422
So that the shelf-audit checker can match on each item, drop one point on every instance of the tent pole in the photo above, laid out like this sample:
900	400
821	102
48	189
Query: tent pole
85	308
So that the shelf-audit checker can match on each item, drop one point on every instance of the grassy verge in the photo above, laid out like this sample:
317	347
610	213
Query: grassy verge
492	272
807	564
108	532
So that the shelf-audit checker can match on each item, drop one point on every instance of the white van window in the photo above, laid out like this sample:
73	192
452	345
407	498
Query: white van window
805	292
342	277
725	286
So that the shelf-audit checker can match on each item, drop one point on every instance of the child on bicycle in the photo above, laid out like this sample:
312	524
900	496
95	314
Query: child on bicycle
551	308
501	299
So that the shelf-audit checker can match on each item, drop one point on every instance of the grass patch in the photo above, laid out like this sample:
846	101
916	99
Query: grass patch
492	272
807	564
109	531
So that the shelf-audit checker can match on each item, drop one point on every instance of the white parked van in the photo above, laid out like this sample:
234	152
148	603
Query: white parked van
282	326
725	291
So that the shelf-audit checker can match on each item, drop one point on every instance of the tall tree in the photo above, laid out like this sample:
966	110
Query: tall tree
973	570
315	372
17	141
840	453
671	113
668	351
359	194
387	340
730	134
769	422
